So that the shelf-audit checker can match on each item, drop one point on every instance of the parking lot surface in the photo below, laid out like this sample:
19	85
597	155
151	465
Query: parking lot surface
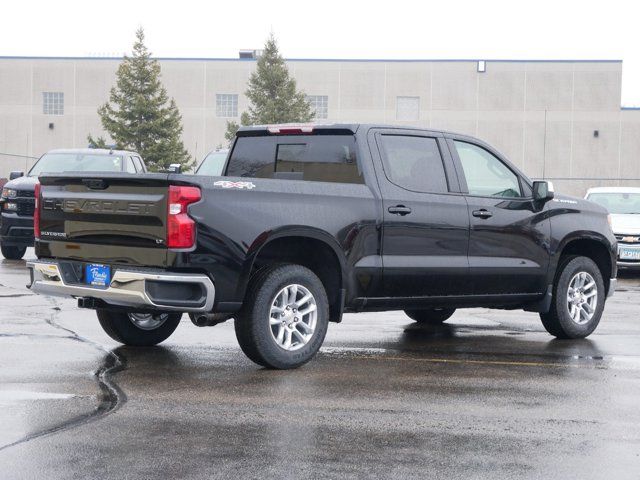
488	395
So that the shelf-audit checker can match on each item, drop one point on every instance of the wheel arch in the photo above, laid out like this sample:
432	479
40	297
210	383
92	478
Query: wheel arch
292	245
593	246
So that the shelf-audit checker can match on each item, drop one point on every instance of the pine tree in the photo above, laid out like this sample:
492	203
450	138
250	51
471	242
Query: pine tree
140	116
272	94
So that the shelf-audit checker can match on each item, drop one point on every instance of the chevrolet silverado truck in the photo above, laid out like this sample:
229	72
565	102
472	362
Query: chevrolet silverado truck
308	222
17	202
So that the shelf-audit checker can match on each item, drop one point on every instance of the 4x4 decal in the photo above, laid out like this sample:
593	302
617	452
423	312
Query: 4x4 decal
229	184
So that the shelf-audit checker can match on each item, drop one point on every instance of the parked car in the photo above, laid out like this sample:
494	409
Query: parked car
623	203
308	222
213	163
17	202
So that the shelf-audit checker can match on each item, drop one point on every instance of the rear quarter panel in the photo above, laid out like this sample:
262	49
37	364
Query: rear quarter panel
235	222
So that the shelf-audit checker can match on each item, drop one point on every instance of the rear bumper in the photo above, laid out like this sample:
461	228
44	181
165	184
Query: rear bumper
155	290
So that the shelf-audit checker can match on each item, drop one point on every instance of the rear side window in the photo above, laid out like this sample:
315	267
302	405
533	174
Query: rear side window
413	163
317	158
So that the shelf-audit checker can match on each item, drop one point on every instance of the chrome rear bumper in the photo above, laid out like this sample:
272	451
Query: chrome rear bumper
128	288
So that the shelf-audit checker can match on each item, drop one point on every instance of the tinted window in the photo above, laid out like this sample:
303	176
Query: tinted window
486	175
319	158
76	162
413	163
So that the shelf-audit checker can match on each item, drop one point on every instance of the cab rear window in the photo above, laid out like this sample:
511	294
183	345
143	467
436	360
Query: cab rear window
316	158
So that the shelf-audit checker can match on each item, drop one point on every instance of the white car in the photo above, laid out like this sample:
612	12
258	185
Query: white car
623	203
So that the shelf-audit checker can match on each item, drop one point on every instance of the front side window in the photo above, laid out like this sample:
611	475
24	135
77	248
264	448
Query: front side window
413	163
226	105
53	103
319	105
317	158
486	175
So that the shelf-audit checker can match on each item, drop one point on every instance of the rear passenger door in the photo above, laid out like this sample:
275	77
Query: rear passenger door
425	222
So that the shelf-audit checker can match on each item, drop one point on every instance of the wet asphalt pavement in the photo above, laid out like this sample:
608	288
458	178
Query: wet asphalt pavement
488	395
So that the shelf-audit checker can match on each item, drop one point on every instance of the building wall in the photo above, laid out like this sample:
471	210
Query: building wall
541	114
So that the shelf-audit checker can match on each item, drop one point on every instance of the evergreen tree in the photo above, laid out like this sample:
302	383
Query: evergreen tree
272	94
140	116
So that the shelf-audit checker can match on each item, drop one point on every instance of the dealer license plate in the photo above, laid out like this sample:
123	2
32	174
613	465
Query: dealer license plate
97	275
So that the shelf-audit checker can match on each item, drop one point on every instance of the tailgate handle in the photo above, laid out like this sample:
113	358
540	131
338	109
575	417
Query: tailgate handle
95	183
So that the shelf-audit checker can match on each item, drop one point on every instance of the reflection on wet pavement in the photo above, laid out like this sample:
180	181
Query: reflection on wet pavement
488	394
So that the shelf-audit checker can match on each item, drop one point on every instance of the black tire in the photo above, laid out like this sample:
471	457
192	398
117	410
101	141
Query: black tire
432	316
120	327
558	321
253	329
12	253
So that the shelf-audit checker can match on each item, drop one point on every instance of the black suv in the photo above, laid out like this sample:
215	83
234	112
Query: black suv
17	202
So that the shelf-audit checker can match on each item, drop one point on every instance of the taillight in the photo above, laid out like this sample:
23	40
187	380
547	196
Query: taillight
181	229
36	212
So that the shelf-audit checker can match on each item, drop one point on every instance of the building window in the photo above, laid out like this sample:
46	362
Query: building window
319	105
407	108
53	103
226	105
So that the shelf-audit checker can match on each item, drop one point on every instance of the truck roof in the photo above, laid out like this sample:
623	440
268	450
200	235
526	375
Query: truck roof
94	151
343	128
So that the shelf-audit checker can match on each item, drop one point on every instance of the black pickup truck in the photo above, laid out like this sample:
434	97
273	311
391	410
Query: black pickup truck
16	200
309	222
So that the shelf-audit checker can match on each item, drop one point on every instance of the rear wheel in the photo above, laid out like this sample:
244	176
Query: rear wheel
578	299
433	316
13	253
284	317
138	329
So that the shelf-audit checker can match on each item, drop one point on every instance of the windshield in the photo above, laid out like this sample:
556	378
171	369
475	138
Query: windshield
622	203
212	164
76	162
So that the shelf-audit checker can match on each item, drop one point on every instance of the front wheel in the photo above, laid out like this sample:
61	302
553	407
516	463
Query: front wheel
433	316
12	253
138	329
284	317
578	299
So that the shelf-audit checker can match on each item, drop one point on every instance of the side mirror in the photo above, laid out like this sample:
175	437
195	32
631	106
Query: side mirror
542	191
16	174
174	168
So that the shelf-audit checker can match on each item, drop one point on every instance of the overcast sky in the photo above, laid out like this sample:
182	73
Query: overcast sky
488	29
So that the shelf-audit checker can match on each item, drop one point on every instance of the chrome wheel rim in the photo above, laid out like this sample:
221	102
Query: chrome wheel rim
293	317
582	298
147	321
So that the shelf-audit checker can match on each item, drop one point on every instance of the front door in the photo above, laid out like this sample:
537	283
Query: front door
509	238
425	222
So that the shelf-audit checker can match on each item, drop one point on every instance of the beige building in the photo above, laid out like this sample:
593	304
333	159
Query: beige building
560	120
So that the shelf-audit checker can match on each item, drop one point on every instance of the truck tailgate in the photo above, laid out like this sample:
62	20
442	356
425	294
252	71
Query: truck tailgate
118	218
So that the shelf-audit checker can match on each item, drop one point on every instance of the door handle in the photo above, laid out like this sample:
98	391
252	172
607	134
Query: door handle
482	213
399	210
